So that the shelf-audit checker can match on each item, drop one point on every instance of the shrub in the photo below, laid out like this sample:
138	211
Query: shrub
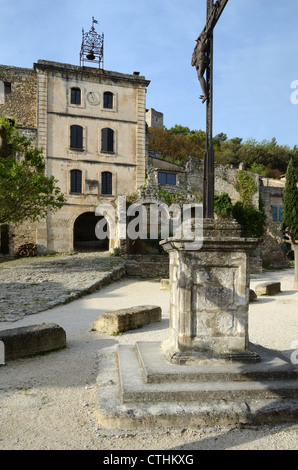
251	219
223	205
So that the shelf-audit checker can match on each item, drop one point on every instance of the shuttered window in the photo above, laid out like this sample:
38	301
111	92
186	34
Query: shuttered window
76	137
166	178
107	140
75	181
75	96
108	100
106	183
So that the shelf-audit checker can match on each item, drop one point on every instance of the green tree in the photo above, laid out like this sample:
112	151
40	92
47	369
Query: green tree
26	193
290	206
290	202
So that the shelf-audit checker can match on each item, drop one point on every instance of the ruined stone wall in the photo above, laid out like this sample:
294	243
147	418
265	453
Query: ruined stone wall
18	95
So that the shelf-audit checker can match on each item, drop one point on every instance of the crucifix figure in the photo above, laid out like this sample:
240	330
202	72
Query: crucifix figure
202	59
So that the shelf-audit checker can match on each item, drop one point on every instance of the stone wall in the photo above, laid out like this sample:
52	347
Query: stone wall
20	97
272	252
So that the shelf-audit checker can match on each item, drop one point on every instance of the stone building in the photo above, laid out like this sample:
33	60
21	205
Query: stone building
154	118
91	126
187	181
274	254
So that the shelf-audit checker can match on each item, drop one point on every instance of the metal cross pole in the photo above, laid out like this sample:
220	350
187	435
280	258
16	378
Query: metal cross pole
202	59
208	186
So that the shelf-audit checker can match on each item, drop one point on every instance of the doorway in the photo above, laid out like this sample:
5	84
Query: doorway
84	236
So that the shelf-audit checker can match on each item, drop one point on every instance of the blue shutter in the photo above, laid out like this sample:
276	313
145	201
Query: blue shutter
281	214
75	96
275	213
108	100
166	178
162	177
107	140
75	181
76	137
106	183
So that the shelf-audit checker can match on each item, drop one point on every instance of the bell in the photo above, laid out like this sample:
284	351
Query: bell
91	55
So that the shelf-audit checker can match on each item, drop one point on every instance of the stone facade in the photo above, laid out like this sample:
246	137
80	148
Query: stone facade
154	118
91	126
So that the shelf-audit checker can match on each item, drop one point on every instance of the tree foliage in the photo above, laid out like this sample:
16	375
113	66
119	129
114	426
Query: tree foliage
177	144
26	193
290	202
265	158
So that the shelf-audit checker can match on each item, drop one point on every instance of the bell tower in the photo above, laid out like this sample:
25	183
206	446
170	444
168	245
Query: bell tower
92	47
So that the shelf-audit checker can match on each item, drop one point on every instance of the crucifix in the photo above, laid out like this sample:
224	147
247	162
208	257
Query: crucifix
202	59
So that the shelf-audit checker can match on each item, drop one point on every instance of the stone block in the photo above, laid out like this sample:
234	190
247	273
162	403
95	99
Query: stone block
252	295
268	288
127	319
165	284
30	340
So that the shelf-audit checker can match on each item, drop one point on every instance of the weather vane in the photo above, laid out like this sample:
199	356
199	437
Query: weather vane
92	46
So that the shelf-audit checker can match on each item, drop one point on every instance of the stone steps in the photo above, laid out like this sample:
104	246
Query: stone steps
187	386
126	401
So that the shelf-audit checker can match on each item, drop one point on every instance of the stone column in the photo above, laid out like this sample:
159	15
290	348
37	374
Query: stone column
209	292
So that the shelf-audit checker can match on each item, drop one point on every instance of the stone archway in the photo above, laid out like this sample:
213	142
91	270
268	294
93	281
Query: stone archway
84	237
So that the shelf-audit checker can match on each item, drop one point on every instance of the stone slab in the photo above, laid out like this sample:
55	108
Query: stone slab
30	340
156	369
113	414
135	390
127	319
268	288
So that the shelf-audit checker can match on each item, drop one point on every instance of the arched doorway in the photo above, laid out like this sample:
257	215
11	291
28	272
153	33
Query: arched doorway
84	236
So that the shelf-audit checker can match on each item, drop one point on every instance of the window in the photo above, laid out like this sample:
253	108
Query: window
274	213
166	178
75	181
107	140
277	213
108	100
76	137
7	88
75	97
106	183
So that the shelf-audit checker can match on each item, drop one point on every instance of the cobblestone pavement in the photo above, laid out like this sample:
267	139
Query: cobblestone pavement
32	285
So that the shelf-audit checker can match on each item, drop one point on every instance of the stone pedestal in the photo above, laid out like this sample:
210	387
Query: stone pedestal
206	373
209	292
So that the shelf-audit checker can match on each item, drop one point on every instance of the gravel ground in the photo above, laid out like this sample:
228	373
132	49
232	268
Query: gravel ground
48	402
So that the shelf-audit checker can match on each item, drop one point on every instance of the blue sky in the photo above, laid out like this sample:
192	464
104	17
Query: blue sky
255	55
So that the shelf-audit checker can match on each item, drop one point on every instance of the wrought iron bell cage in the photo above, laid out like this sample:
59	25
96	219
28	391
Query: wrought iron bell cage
92	47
